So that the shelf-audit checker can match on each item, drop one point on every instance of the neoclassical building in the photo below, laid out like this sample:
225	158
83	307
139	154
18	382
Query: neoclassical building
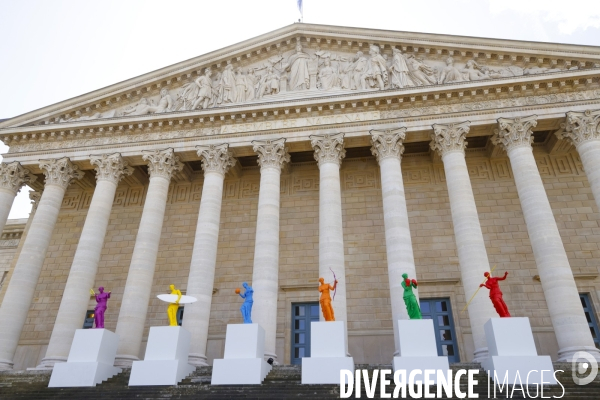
312	151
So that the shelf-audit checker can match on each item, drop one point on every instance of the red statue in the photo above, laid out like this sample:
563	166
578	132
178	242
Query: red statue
495	294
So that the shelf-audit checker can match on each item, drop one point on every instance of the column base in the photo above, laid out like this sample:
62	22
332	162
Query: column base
48	363
125	361
197	360
480	354
566	354
6	365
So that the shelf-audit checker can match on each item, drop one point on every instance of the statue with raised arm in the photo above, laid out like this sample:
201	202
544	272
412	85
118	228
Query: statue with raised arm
173	307
246	307
325	299
412	305
496	294
101	305
297	65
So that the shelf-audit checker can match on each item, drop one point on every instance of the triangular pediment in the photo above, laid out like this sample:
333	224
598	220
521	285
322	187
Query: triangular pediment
304	61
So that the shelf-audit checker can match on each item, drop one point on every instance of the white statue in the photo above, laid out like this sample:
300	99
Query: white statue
357	71
141	108
252	82
298	67
269	83
399	70
227	86
196	93
241	86
328	76
420	73
450	73
472	72
378	67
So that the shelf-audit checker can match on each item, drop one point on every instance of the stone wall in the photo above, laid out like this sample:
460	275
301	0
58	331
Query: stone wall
369	312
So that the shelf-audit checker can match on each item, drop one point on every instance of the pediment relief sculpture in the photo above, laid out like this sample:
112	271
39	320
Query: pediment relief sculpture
305	71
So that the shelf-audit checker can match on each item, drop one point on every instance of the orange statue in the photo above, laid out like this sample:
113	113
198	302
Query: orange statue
325	300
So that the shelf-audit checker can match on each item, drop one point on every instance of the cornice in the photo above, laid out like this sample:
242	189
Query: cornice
333	38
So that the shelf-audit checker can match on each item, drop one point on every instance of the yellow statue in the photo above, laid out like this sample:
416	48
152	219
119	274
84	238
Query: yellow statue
173	307
325	300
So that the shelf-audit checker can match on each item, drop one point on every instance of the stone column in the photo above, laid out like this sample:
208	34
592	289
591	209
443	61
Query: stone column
109	171
265	274
162	164
582	130
569	322
388	148
12	178
20	291
329	151
216	161
449	142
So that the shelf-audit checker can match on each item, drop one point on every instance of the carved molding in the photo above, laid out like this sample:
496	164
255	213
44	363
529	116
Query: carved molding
449	138
271	153
216	158
328	148
110	167
387	143
162	163
35	198
580	127
514	132
13	176
60	171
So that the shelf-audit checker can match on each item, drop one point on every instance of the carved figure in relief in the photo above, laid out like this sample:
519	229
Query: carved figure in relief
412	305
101	305
227	86
325	299
328	76
378	68
496	294
241	86
509	71
269	83
399	71
205	90
450	73
297	66
357	71
142	107
252	82
420	73
472	72
540	70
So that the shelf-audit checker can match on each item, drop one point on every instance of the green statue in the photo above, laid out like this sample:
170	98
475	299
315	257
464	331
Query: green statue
412	305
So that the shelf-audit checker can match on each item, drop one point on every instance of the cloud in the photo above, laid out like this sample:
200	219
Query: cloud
570	16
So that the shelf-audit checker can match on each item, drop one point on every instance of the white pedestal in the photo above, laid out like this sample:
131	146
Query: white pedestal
417	347
327	354
90	360
166	358
512	350
244	362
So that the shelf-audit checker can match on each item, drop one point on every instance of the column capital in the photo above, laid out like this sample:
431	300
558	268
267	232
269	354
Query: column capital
13	176
580	127
514	132
216	158
387	143
449	138
162	163
110	167
60	171
328	148
271	153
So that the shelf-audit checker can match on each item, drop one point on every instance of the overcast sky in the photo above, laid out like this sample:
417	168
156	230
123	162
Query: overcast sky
52	50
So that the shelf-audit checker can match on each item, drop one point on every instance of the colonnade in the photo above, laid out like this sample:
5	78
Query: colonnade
514	135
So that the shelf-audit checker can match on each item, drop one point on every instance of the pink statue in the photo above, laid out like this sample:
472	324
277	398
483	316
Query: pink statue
495	294
101	300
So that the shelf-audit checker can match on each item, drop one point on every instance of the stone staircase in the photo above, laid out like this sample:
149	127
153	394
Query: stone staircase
282	382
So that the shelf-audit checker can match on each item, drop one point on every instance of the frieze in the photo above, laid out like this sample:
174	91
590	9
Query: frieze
408	111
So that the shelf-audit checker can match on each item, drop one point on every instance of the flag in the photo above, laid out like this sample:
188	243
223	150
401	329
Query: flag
299	3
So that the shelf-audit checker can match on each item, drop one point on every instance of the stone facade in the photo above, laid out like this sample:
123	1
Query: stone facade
208	138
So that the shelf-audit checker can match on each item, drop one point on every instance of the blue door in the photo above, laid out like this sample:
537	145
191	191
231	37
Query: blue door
440	312
302	315
591	317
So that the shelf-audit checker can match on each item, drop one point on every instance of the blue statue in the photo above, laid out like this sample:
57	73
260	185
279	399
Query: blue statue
246	308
